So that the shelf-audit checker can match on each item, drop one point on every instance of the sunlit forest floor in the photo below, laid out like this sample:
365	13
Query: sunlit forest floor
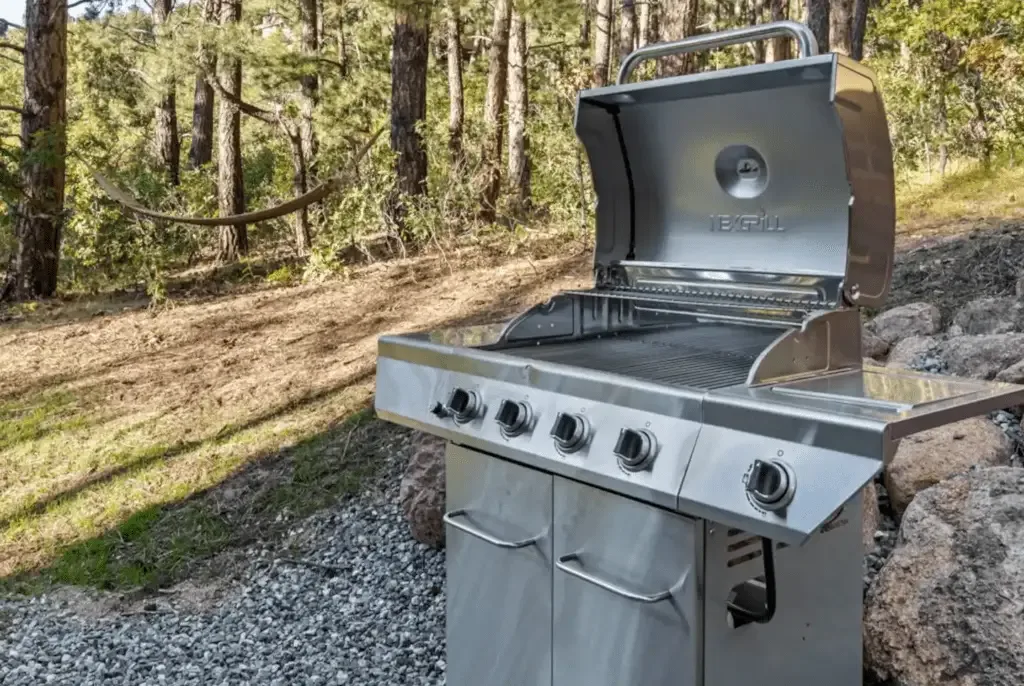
138	442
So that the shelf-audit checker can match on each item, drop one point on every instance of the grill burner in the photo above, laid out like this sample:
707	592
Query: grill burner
656	481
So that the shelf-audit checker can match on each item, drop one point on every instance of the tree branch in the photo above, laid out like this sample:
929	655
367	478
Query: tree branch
12	46
263	115
11	108
11	59
129	36
72	5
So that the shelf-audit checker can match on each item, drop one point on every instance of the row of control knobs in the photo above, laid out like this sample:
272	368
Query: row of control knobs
635	449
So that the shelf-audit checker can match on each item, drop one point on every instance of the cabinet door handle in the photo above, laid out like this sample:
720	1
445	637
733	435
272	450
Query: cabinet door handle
452	519
570	564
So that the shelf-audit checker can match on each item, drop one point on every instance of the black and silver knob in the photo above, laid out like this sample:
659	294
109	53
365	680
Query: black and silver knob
514	417
463	405
635	449
771	484
570	431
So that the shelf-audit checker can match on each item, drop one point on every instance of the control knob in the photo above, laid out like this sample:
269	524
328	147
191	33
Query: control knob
514	417
463	405
571	432
635	449
771	484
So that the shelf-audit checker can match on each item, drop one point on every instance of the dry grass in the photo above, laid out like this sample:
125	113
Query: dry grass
968	199
135	442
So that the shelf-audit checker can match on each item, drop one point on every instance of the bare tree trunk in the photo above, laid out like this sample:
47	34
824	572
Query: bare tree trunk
456	106
310	84
40	215
779	48
857	29
818	21
678	20
200	151
494	104
841	26
300	184
409	55
627	29
587	9
165	139
234	240
758	48
943	128
643	29
518	106
602	41
981	125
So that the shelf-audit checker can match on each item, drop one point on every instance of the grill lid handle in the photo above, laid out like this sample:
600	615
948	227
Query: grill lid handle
805	39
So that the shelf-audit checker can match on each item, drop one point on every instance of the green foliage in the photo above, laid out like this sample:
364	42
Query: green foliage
950	71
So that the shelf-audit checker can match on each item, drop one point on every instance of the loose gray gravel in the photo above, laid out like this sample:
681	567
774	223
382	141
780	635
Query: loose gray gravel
358	602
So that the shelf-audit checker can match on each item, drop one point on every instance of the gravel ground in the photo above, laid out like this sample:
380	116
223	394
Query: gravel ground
355	601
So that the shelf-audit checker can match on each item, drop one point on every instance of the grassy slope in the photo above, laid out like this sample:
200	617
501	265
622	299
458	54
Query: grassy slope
136	445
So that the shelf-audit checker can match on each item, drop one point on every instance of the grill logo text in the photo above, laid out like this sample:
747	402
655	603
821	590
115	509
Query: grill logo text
746	223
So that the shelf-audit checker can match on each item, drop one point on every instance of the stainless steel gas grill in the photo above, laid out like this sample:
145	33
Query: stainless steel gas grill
655	481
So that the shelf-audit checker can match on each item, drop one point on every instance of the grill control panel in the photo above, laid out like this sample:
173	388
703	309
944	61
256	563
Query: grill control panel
635	449
570	431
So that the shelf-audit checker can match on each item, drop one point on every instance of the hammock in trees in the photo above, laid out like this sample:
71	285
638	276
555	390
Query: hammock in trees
332	184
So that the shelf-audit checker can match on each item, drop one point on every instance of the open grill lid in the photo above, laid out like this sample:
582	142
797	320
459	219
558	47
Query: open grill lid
773	178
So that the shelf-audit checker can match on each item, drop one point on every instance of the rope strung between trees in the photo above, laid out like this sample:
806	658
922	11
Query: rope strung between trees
332	184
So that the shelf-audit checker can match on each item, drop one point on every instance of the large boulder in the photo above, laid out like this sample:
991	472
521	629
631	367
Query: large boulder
948	607
925	459
909	352
982	357
872	345
1012	374
422	492
871	519
915	319
989	315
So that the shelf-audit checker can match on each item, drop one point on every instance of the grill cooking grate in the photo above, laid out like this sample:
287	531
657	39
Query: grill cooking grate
704	356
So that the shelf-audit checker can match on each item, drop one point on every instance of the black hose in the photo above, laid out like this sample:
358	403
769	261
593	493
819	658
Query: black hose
742	615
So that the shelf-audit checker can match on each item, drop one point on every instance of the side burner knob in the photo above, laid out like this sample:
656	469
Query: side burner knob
635	449
513	417
463	405
570	432
771	484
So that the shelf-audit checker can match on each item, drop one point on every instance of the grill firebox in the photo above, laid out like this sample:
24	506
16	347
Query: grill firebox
657	480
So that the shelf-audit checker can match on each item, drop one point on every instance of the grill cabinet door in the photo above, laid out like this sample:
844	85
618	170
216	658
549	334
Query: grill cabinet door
498	531
625	593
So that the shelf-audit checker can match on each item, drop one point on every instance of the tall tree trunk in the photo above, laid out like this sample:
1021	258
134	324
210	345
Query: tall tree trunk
857	29
494	104
841	26
340	39
456	106
981	124
310	85
943	121
518	106
759	49
587	11
234	240
409	101
200	151
602	41
779	48
678	20
627	29
300	184
643	28
40	214
166	141
818	22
